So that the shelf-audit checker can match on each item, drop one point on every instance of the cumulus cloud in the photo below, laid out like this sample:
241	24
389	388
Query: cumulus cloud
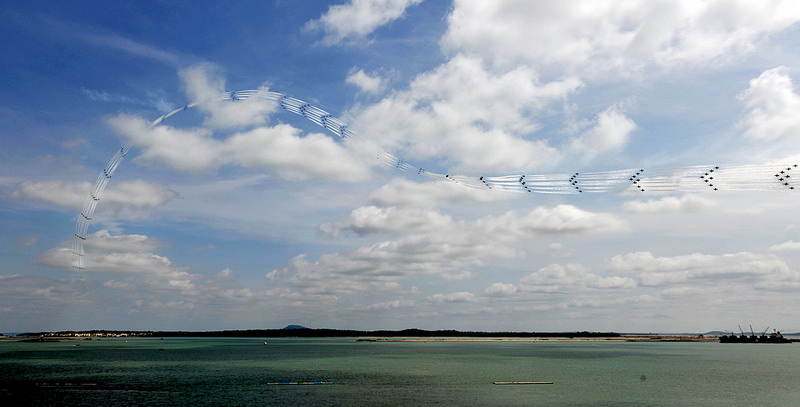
353	22
697	268
510	226
685	203
470	115
461	296
431	244
279	148
403	192
382	265
104	241
571	277
204	85
40	298
560	220
125	255
153	282
136	195
53	191
599	36
478	111
611	132
501	289
372	219
773	105
381	306
786	246
367	83
120	254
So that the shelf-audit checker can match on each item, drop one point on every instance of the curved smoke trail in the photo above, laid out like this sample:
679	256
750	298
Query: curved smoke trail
692	178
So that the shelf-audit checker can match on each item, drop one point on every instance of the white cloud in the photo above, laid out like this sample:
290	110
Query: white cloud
510	226
371	268
571	278
476	118
151	280
381	306
225	274
773	105
461	296
136	195
185	150
697	268
560	220
786	246
685	203
372	219
53	191
119	285
611	132
437	245
403	192
367	83
40	299
204	85
104	241
280	148
623	36
352	22
120	254
501	289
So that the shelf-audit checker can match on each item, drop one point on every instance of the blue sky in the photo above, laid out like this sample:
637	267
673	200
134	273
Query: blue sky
240	215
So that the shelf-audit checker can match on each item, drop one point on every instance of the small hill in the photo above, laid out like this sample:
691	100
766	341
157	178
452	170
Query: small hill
288	327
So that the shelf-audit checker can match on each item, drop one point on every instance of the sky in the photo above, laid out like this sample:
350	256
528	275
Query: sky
241	215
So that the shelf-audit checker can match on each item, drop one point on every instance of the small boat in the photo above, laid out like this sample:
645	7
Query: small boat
523	382
295	383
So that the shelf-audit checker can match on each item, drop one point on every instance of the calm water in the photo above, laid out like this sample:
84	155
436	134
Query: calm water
236	372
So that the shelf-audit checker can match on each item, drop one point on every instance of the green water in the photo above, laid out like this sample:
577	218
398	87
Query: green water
237	372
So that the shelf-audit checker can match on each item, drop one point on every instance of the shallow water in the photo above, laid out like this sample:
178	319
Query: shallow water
236	371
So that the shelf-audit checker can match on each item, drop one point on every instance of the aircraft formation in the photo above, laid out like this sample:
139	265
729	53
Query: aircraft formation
659	180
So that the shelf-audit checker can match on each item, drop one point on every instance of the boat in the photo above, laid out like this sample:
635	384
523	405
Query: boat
503	383
774	337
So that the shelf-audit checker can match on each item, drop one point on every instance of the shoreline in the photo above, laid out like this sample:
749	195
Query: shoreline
442	339
622	338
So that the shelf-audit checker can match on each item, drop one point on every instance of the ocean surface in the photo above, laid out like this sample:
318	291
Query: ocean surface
238	372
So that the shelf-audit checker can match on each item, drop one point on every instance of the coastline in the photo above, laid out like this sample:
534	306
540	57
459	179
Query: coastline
547	338
621	338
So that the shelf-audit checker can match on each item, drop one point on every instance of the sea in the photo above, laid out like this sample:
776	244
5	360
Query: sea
347	372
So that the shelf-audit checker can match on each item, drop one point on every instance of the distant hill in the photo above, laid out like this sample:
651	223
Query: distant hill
303	332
